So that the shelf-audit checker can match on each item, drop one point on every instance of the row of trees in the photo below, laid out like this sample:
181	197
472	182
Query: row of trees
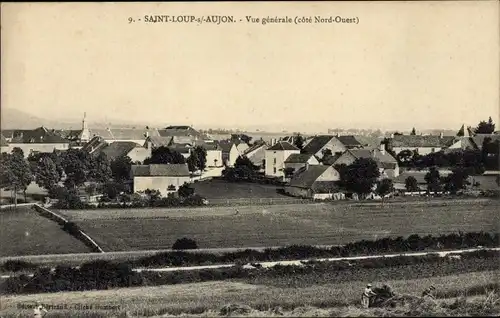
479	160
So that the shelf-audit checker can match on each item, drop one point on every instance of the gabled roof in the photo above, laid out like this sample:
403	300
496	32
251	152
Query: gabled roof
39	135
124	133
94	144
422	141
159	141
349	141
3	141
383	159
317	143
418	175
119	149
256	146
180	148
298	158
160	170
306	176
283	145
179	131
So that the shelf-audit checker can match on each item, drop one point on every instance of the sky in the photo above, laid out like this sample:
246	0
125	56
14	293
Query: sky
405	64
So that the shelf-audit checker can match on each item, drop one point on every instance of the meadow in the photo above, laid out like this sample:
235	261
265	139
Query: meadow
209	298
24	232
280	225
220	189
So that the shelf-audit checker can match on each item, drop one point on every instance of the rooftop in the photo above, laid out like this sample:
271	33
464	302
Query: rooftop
160	170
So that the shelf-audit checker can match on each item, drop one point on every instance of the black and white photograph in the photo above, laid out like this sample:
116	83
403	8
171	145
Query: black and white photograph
250	159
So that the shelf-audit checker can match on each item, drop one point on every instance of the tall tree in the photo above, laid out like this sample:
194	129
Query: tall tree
457	180
413	132
384	187
411	184
485	127
46	174
120	168
77	166
16	173
164	155
201	157
360	176
18	151
100	169
298	141
433	180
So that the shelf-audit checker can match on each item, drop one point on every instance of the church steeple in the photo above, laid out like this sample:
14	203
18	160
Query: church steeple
85	134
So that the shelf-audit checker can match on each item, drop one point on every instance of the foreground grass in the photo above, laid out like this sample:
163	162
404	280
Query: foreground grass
209	298
24	232
280	225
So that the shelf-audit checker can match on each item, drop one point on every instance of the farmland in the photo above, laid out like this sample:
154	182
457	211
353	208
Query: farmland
210	297
279	225
25	232
220	189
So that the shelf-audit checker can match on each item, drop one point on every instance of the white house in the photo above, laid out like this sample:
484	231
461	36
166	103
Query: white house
276	156
257	154
135	152
166	178
387	164
297	161
423	144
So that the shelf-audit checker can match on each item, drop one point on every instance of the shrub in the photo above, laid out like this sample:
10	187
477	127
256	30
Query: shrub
194	200
185	244
17	265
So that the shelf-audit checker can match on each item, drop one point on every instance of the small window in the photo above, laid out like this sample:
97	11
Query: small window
274	170
274	160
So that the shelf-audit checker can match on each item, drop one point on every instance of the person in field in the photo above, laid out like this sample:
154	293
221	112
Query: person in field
429	292
367	296
39	311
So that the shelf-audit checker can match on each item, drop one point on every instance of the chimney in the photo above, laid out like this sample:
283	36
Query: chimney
147	134
441	135
307	166
392	135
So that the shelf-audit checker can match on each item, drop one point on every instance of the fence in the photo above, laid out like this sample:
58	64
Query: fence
256	201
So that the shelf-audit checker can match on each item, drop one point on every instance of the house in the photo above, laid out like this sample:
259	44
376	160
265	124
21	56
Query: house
257	153
423	144
214	153
313	179
387	164
275	158
229	152
39	140
318	144
94	145
296	161
136	152
166	178
181	134
400	181
183	149
4	144
158	141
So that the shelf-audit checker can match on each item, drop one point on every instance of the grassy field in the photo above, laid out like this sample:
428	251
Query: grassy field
25	232
278	225
220	189
209	298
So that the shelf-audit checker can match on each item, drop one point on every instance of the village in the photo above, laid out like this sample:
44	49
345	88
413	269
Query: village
165	162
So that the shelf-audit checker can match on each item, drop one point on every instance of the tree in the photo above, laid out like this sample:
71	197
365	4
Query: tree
384	187
120	168
17	151
405	157
298	141
200	154
185	190
243	170
185	244
77	166
191	162
46	174
413	132
411	184
360	176
16	173
433	180
100	169
457	180
164	155
485	127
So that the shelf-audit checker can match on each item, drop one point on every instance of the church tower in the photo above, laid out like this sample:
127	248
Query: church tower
85	133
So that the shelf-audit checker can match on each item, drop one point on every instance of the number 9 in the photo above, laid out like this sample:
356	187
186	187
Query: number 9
130	20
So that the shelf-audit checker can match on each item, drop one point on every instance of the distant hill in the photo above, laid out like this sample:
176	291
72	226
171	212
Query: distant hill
16	119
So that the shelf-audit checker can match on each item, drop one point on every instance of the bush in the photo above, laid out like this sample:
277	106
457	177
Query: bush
194	200
185	244
17	265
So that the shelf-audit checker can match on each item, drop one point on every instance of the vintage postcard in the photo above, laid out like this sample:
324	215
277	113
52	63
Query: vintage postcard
250	159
